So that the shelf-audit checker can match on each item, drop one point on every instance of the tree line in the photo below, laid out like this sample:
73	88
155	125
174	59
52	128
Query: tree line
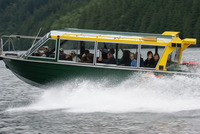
148	16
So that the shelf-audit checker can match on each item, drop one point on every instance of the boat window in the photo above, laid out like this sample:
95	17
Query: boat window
173	57
151	55
127	55
117	54
106	53
76	51
46	50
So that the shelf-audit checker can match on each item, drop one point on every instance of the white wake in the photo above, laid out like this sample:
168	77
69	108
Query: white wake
139	93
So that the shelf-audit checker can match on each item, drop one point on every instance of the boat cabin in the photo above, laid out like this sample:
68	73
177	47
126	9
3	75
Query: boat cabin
96	47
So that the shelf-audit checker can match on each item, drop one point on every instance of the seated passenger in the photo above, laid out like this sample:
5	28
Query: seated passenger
89	58
61	54
133	60
110	59
84	56
104	53
156	59
74	56
68	57
125	60
149	61
112	51
45	52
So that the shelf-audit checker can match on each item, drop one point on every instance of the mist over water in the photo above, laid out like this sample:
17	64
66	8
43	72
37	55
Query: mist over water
139	93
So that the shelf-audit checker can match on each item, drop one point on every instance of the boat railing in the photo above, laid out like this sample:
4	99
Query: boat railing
9	40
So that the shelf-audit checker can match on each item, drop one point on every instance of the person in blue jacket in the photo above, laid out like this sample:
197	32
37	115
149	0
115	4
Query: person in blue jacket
133	58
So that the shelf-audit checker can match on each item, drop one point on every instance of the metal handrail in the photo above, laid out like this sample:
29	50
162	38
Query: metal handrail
20	36
2	43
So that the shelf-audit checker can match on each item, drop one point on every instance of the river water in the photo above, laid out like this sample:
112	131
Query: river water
138	105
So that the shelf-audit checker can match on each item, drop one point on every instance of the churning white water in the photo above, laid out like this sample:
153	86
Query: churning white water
85	106
139	93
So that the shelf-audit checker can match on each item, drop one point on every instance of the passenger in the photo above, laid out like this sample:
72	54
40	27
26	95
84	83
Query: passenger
74	56
68	57
110	59
133	60
84	56
89	58
156	59
149	61
125	60
45	52
61	54
104	53
112	51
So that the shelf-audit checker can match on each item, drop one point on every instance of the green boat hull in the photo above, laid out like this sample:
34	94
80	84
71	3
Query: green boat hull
45	73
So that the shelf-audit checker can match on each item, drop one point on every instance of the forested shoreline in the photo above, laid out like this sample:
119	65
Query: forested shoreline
147	16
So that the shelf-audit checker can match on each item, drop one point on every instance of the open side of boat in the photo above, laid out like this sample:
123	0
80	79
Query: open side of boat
76	53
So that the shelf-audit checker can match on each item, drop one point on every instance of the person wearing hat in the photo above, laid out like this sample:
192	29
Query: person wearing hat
62	55
45	52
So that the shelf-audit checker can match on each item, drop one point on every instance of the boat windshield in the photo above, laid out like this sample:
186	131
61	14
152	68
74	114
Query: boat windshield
172	62
35	46
46	50
175	55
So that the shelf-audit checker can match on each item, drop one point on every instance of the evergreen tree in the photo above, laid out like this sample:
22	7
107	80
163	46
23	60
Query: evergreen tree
155	16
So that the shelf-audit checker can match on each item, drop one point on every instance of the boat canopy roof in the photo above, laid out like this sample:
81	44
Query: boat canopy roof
113	36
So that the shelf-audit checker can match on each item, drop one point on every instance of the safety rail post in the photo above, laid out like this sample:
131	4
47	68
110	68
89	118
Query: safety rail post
117	49
1	46
138	55
95	53
57	48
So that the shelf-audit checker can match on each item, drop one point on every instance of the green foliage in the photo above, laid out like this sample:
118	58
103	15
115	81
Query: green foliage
154	16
